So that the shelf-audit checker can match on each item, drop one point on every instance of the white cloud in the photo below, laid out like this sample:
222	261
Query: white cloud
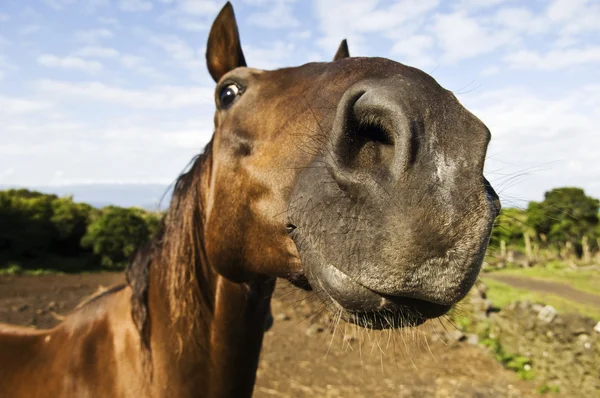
93	35
140	66
29	29
164	97
554	59
89	5
353	19
14	105
192	15
521	20
5	66
300	35
135	5
575	16
199	7
278	14
415	50
276	55
92	5
490	70
56	4
187	57
76	152
108	21
555	140
478	4
6	173
461	36
97	52
69	62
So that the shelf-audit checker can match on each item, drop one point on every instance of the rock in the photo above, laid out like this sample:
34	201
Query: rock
457	335
583	337
282	317
481	304
314	329
537	307
597	327
472	339
349	338
524	305
20	308
51	306
547	314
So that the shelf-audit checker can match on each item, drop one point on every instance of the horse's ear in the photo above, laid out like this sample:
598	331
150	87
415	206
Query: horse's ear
224	50
342	51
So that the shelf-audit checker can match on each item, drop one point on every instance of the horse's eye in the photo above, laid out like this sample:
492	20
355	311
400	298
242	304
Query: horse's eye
228	95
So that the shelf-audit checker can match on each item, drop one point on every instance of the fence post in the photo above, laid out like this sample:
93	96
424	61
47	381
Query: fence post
586	250
528	250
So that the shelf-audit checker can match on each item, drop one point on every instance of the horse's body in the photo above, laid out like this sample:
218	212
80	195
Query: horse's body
360	178
97	351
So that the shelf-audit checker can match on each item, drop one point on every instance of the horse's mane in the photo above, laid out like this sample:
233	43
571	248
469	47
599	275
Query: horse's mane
177	254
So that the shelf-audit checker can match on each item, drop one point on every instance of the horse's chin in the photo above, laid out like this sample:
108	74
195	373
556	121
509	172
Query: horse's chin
352	302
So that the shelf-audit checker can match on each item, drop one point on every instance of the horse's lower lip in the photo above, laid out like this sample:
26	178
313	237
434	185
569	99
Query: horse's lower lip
422	308
365	306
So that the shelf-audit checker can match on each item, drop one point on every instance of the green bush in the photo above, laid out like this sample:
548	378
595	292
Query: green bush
25	222
40	231
114	235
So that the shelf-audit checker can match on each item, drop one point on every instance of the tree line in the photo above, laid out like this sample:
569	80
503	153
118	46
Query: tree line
40	230
565	224
46	231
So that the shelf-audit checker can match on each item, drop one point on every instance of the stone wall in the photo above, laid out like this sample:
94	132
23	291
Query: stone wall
564	349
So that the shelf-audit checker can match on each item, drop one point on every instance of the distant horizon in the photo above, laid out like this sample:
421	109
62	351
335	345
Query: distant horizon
159	190
117	91
146	196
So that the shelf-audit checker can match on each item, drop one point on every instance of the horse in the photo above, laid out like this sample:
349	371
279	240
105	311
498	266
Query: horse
360	179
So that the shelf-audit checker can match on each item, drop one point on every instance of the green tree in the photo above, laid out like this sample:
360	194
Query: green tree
565	215
510	227
115	234
70	222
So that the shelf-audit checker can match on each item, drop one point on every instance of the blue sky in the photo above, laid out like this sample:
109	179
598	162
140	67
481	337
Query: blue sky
116	91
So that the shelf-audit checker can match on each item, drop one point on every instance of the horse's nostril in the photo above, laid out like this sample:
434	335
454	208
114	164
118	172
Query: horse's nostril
373	132
289	228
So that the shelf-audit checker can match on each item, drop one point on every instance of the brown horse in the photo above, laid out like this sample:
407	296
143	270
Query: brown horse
360	179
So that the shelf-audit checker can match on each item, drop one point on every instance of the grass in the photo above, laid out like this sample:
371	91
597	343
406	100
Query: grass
16	269
502	295
584	280
546	388
49	264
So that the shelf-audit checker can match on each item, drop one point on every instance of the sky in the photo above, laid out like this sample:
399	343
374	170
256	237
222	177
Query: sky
117	91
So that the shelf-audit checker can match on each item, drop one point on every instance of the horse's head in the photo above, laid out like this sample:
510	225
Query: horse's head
360	178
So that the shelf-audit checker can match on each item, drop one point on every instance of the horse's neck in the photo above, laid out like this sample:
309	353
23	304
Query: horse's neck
237	330
219	356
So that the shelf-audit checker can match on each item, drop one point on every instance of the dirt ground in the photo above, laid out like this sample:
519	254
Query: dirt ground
558	289
301	356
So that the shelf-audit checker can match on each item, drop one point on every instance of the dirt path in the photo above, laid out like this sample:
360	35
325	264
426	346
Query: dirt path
554	288
301	358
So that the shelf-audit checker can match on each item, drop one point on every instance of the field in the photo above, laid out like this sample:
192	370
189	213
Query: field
567	290
300	359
